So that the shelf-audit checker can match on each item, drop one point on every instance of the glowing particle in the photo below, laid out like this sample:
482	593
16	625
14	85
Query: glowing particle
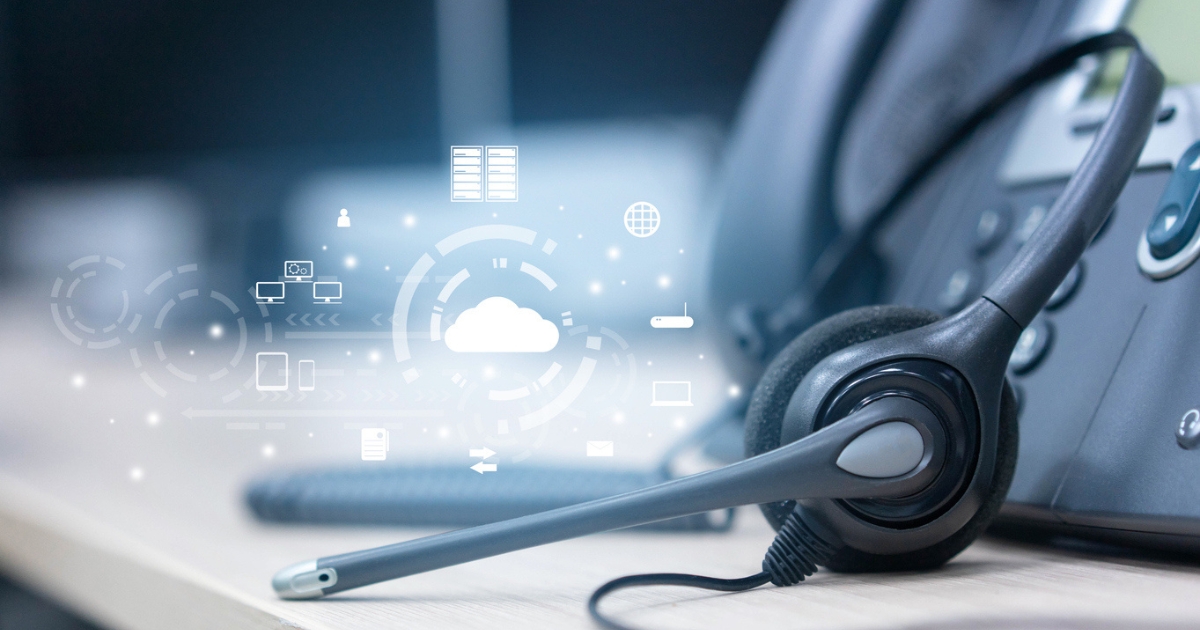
136	473
153	418
664	281
735	391
78	381
614	252
216	331
410	220
350	261
595	288
268	451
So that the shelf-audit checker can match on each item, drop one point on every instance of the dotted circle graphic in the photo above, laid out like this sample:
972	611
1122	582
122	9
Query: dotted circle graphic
65	307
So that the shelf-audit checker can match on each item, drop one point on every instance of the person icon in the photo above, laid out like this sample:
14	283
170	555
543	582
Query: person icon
344	220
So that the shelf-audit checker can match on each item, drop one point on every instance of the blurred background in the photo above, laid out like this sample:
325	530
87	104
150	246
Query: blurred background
229	135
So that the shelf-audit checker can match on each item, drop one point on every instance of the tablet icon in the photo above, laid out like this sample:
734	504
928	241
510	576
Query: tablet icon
671	394
271	371
673	321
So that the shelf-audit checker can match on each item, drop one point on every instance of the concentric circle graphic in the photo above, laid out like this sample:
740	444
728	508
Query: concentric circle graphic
94	320
197	335
510	393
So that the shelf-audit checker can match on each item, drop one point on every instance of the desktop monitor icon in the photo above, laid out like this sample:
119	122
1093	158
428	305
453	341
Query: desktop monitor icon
269	292
671	394
298	270
327	292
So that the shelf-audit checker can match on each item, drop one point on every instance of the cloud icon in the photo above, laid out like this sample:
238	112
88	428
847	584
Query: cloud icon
497	324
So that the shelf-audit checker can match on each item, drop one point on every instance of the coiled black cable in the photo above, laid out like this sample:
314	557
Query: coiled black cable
797	551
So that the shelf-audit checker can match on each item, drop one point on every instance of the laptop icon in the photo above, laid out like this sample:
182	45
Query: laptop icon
671	394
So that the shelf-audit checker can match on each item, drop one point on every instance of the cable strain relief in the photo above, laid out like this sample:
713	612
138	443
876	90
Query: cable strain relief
797	552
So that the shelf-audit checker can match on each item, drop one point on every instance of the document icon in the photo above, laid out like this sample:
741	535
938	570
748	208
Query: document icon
375	445
596	448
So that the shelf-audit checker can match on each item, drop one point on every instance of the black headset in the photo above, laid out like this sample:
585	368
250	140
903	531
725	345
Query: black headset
882	438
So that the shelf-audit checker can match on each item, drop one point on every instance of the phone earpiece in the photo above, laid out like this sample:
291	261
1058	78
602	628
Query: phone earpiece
769	401
856	531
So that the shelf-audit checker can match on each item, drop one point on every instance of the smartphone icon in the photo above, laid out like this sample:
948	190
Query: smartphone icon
307	377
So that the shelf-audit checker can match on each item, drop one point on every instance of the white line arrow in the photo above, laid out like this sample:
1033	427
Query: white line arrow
482	453
482	468
318	319
333	319
289	319
304	319
376	319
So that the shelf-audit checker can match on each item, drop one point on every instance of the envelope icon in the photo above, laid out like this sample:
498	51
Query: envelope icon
597	448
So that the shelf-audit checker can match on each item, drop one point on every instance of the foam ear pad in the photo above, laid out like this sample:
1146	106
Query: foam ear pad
764	425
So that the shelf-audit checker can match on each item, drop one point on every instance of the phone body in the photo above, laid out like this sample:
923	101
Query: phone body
1104	387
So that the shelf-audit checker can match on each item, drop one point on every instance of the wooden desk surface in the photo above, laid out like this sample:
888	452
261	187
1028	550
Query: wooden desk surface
177	549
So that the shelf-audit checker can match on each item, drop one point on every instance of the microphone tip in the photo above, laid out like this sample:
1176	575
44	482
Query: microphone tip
303	581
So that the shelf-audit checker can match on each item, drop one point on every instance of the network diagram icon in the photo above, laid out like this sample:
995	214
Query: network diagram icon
642	219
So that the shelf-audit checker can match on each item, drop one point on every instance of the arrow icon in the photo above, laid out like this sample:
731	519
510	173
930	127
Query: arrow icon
289	319
482	453
304	319
482	468
375	319
318	319
333	319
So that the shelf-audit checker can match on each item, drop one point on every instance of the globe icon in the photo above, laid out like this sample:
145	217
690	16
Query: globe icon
641	219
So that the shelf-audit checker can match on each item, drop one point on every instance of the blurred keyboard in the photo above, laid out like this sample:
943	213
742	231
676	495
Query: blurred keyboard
447	496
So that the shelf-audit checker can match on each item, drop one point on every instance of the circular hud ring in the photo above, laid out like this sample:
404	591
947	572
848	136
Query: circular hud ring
91	325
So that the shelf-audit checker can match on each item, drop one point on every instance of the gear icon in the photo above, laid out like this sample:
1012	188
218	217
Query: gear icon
294	269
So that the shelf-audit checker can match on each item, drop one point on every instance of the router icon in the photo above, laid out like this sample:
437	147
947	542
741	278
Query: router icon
673	321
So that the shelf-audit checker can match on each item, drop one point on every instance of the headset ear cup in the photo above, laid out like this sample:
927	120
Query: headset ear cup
850	560
764	417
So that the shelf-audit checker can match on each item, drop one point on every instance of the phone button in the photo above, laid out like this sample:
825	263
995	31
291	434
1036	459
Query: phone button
993	226
962	285
1066	288
1033	219
1188	433
1032	346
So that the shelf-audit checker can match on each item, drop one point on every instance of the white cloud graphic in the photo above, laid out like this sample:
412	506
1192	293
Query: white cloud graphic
497	324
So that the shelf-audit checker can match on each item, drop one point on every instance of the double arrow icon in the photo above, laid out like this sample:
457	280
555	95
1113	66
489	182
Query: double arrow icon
482	453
